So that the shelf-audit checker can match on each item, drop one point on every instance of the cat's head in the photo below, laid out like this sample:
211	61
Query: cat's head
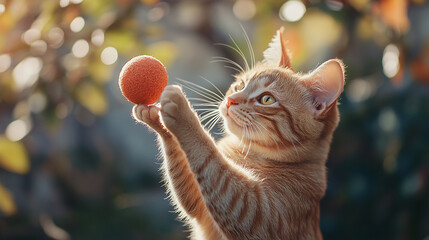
271	105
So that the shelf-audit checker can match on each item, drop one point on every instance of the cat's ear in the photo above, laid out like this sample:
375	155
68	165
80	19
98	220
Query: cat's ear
325	84
277	52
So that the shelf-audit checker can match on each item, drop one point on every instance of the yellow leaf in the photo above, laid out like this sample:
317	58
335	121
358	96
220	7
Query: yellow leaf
7	205
164	51
92	97
123	41
100	72
13	156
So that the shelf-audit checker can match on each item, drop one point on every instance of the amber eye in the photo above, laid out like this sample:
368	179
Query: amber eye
267	99
239	86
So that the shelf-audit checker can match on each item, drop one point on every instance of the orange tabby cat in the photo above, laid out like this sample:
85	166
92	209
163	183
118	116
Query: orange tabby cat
273	188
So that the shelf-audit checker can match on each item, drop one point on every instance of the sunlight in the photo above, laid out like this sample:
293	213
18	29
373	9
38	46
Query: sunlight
292	11
5	61
56	37
244	9
18	129
109	55
2	8
391	60
97	37
31	35
80	48
27	72
64	3
77	24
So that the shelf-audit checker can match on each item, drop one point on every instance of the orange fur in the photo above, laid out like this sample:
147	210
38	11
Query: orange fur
265	178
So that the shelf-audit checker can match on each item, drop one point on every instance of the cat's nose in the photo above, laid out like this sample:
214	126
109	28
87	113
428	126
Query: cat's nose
231	101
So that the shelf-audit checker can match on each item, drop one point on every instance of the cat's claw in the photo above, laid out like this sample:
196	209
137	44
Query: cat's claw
175	109
148	115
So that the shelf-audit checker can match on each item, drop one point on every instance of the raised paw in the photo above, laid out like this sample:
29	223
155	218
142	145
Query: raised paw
175	109
148	115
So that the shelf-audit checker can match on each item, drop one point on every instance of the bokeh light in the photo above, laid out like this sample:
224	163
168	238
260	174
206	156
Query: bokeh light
5	62
64	3
292	11
335	5
31	35
27	72
39	47
37	102
97	37
359	90
77	24
391	60
55	37
18	129
80	48
159	11
2	8
244	9
109	55
387	120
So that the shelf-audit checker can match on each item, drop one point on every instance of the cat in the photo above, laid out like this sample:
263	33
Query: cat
272	189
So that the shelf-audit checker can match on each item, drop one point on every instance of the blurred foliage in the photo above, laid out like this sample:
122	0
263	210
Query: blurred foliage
93	172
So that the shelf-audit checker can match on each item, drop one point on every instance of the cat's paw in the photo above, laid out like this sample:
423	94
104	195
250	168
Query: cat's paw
148	115
175	110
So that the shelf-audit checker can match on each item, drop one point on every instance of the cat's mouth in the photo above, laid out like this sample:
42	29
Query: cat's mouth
236	118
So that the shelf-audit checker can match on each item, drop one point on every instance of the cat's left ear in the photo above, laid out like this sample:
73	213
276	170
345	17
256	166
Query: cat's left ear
325	84
277	52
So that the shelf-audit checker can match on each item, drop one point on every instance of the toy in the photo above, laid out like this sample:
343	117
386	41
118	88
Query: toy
142	79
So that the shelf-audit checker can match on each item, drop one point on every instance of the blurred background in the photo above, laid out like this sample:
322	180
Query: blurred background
75	165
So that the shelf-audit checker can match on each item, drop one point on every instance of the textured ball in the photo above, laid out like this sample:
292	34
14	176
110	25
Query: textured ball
142	79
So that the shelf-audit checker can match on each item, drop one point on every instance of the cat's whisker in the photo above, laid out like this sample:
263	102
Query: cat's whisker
214	105
208	115
270	135
209	122
202	94
203	100
248	150
220	92
251	135
203	88
210	109
237	51
293	144
200	89
241	53
237	67
249	45
211	126
267	133
242	136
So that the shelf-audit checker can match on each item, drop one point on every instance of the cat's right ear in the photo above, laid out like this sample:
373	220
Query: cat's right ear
277	52
325	84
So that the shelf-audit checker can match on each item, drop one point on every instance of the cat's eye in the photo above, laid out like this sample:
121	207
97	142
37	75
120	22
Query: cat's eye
267	99
239	86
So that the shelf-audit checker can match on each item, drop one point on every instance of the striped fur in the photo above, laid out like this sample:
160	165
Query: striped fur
265	178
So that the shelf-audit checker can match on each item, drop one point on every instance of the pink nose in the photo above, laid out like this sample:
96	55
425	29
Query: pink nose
231	101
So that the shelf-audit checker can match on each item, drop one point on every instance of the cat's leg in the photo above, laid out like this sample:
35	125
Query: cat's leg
235	199
177	174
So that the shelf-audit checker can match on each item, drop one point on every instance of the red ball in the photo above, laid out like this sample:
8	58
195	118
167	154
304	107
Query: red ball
142	79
